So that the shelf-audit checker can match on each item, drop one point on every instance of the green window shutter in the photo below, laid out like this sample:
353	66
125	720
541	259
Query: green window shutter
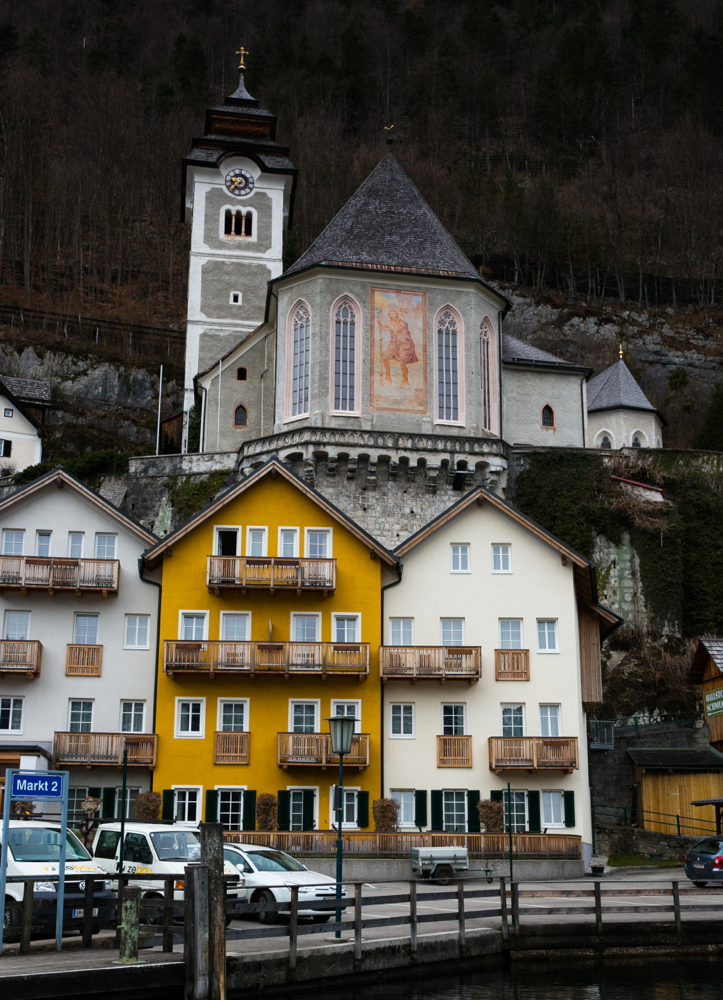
283	817
96	793
109	803
307	809
533	812
362	809
569	808
437	810
169	805
496	795
420	807
472	812
211	806
249	810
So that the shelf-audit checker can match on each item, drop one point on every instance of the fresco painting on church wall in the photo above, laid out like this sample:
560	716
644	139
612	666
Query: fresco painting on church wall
398	351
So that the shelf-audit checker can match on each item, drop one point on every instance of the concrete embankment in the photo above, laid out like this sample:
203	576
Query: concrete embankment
386	869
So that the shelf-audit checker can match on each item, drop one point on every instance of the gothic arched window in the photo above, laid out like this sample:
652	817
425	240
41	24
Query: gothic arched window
605	442
548	416
486	373
300	337
240	417
636	441
345	357
447	366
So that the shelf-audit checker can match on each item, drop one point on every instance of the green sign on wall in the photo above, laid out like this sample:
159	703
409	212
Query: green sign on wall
714	702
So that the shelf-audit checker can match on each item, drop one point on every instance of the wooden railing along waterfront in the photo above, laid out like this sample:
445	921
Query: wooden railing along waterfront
25	573
287	658
314	750
83	660
231	748
533	753
20	656
261	573
454	751
430	663
95	749
512	664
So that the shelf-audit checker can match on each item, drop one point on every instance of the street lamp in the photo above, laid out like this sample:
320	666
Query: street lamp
341	731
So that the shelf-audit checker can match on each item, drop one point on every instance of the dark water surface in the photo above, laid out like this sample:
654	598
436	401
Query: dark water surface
693	979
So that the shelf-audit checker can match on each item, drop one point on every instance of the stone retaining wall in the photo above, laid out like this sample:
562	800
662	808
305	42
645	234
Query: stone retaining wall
628	840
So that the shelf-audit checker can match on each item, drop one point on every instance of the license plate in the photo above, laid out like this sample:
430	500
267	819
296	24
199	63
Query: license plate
77	914
696	865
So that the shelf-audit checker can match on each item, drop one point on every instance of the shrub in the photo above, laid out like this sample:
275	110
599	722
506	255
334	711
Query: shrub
267	809
491	816
148	806
386	815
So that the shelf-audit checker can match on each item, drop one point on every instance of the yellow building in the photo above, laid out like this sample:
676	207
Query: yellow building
270	623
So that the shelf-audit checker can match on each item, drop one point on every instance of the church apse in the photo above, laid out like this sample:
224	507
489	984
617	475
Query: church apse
398	351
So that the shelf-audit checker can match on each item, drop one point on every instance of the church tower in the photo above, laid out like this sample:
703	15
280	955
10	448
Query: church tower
237	194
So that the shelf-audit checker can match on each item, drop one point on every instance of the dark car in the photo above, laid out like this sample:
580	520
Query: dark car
704	861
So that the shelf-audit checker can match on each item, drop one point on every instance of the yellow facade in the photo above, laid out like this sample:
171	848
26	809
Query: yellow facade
272	501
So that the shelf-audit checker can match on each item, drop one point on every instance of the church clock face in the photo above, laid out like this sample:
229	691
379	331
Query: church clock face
239	182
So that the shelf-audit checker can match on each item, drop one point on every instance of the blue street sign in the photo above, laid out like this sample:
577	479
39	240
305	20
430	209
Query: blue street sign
36	786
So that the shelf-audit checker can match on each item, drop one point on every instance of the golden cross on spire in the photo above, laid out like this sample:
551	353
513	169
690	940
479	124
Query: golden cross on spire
242	52
620	350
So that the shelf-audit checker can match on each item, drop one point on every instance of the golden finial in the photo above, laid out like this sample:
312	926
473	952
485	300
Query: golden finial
243	53
620	351
390	137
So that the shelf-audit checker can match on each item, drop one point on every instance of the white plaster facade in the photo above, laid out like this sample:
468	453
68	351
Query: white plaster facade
59	506
623	427
26	447
525	394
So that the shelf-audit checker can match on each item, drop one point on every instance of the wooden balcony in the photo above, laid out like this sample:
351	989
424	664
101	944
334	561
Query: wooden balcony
284	659
314	750
533	753
83	661
430	663
256	573
231	748
81	576
97	749
512	664
21	656
454	751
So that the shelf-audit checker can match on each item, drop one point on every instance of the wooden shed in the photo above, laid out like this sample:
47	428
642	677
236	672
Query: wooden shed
670	780
707	670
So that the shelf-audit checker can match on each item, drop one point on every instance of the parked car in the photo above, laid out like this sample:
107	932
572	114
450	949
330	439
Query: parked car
34	849
704	861
270	874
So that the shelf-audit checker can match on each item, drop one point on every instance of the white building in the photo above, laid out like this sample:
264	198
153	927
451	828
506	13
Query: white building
619	414
491	660
78	649
21	423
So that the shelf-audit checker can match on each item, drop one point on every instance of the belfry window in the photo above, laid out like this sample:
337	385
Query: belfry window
240	417
548	416
238	224
447	367
344	357
301	328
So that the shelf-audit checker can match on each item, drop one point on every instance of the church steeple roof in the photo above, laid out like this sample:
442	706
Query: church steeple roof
387	225
616	389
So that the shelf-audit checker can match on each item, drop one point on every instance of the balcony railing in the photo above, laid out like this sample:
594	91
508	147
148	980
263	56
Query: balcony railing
95	749
286	658
454	751
83	661
20	657
231	748
314	750
533	753
256	573
430	663
83	576
512	664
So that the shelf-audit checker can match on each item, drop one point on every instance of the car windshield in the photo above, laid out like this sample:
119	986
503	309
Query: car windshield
274	861
177	845
709	846
28	844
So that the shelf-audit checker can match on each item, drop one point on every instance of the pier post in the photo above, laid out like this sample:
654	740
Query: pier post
460	918
130	923
26	918
598	914
168	914
676	911
413	918
212	856
357	922
195	937
88	911
503	912
516	908
293	930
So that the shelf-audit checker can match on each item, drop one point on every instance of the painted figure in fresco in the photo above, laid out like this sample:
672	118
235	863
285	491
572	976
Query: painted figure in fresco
400	347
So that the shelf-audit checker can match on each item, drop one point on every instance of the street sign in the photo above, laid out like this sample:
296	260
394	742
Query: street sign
36	786
714	702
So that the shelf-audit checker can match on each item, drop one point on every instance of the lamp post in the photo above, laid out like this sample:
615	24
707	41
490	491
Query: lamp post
341	731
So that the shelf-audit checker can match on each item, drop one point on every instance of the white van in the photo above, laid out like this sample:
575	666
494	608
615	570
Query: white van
156	849
34	849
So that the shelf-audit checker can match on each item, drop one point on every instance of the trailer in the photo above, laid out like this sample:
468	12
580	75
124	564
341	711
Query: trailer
440	863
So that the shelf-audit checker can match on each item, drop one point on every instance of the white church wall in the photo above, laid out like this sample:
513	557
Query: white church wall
524	394
622	426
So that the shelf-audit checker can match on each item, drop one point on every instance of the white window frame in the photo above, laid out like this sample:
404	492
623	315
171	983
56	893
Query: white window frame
461	376
508	546
306	788
329	531
514	704
303	614
551	704
227	527
264	543
348	299
21	699
522	632
125	631
400	619
92	711
177	721
288	527
346	614
460	545
200	815
86	614
403	736
14	531
238	301
466	801
463	705
16	611
129	788
545	652
220	701
190	611
41	533
133	701
505	803
552	791
301	414
332	812
316	702
232	788
222	627
357	710
106	534
441	630
82	543
404	791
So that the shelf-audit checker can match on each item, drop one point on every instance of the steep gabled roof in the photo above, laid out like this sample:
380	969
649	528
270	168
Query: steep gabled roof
518	352
707	649
678	758
28	390
387	225
272	467
19	404
616	389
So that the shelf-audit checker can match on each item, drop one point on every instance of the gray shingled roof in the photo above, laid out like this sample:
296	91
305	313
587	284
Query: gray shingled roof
689	758
616	389
28	390
516	351
714	648
387	223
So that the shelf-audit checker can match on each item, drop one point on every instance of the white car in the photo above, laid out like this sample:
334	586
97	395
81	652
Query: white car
270	874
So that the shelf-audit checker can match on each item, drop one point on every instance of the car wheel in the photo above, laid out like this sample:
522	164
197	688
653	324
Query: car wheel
699	884
443	875
153	917
11	919
268	916
321	918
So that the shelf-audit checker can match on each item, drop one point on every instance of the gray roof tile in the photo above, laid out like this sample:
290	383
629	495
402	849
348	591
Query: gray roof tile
715	650
518	351
27	390
689	758
616	389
